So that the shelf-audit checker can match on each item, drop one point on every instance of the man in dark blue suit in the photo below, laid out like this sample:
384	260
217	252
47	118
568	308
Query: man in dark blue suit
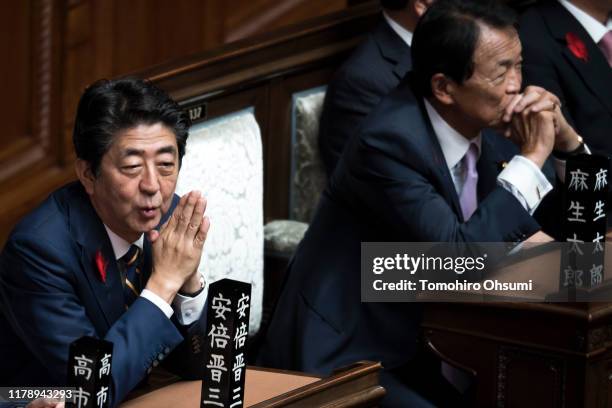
567	46
426	166
371	72
64	271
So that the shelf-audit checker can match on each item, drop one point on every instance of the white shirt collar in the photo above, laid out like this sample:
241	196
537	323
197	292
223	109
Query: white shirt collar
404	34
595	29
454	145
120	245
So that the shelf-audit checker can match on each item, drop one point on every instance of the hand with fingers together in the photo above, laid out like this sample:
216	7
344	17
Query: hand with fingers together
533	101
534	132
177	248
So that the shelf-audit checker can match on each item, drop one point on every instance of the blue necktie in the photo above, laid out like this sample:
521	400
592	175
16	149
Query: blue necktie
133	277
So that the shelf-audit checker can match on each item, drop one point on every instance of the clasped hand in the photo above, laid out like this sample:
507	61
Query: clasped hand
536	124
177	248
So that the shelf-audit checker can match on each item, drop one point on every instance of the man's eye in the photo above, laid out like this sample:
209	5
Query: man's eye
502	74
166	168
131	167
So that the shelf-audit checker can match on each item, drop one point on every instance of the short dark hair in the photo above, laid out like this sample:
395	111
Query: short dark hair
394	4
445	38
108	107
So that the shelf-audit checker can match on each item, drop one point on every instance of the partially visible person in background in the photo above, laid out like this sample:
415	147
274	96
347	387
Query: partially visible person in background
371	72
567	49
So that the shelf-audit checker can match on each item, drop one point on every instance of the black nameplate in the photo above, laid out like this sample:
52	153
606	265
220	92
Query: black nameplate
89	371
197	111
584	218
227	330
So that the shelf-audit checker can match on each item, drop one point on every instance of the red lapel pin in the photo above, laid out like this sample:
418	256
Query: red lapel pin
101	265
577	47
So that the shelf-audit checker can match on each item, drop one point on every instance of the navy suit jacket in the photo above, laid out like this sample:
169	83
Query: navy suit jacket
392	184
371	72
584	87
51	294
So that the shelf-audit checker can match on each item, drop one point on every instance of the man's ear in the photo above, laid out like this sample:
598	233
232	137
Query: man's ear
442	89
85	175
420	6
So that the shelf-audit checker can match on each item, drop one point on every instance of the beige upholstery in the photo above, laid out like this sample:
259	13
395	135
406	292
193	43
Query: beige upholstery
308	176
283	236
224	160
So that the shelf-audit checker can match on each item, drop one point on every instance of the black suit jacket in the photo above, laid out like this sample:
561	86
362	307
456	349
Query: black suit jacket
584	87
392	184
371	72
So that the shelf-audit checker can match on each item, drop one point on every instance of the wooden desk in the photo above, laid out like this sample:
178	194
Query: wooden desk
354	386
528	354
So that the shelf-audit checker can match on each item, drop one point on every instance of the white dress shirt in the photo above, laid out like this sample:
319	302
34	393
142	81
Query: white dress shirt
188	309
521	177
404	34
592	26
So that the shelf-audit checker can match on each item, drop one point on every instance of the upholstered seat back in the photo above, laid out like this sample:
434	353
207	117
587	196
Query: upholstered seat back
308	176
224	160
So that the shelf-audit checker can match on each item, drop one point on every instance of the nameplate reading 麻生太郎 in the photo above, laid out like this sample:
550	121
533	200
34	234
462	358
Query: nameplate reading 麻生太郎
584	223
448	272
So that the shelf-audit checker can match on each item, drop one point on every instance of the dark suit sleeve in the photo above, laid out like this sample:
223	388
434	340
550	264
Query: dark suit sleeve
40	291
187	359
400	192
349	99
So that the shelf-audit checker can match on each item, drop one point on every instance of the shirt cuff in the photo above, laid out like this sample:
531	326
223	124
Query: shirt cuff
560	165
189	309
158	301
523	179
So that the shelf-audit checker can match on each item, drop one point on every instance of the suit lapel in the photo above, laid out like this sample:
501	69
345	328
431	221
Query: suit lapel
91	235
430	146
489	164
595	73
108	294
393	49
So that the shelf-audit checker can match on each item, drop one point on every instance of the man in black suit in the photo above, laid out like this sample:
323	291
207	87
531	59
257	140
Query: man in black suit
371	72
564	50
424	167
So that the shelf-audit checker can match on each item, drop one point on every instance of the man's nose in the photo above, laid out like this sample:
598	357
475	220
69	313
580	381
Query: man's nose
150	180
515	80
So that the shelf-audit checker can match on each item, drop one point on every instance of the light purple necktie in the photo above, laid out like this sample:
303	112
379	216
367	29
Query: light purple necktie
469	199
605	45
